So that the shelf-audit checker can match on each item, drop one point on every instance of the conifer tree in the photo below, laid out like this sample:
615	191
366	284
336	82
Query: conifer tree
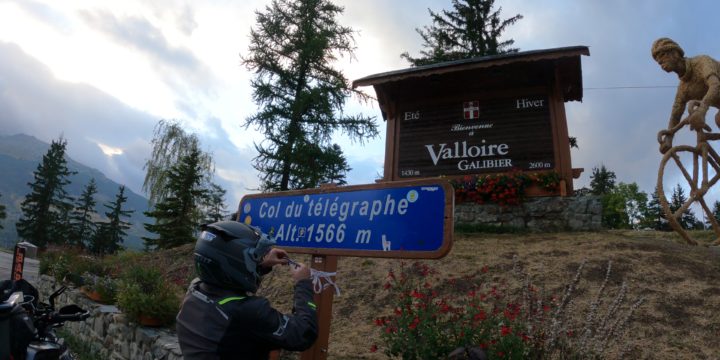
687	218
178	215
3	214
83	227
215	204
45	208
602	180
472	28
62	231
715	212
292	49
655	216
171	143
111	234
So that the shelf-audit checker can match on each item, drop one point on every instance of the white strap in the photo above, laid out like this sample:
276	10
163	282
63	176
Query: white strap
318	286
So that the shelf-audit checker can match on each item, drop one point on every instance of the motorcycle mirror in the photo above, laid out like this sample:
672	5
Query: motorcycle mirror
56	294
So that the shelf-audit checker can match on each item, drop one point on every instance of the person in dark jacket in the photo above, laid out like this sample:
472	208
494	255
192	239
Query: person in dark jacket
221	318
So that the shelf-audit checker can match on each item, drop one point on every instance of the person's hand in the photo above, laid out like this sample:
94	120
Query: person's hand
697	120
666	144
274	257
300	272
665	139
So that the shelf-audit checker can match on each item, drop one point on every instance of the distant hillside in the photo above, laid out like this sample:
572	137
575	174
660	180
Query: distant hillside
20	156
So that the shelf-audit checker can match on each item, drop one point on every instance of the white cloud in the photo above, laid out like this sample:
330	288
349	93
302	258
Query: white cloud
110	151
110	70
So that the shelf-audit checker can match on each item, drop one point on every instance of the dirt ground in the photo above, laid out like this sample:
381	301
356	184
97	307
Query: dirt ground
679	318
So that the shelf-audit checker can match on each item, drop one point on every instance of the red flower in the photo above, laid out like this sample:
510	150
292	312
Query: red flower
387	286
444	308
424	270
505	331
373	348
480	316
512	311
414	324
485	269
471	293
379	322
416	294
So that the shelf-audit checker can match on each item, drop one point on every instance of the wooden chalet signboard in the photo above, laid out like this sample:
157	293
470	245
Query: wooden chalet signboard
481	115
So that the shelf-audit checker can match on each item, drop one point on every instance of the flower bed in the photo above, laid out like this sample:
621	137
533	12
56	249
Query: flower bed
506	189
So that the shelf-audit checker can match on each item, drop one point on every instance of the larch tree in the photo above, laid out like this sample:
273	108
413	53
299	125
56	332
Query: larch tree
301	96
472	28
45	208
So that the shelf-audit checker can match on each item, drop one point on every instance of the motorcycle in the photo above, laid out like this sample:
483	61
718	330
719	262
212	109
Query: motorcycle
27	327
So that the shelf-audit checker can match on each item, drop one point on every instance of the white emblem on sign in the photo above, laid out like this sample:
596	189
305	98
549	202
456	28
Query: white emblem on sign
471	110
247	208
385	243
412	196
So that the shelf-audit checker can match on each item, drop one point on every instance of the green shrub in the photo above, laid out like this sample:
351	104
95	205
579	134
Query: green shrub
116	264
144	292
67	265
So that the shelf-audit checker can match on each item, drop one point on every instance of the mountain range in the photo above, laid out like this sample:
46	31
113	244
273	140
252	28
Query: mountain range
20	155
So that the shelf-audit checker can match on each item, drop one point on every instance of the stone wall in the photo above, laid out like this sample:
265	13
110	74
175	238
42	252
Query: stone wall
554	213
109	332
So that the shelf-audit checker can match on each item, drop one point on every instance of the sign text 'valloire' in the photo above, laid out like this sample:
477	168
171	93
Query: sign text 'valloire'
467	154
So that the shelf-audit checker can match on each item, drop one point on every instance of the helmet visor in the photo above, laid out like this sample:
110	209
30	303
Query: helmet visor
262	247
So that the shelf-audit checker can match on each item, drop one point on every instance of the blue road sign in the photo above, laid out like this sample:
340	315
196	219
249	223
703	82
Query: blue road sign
357	221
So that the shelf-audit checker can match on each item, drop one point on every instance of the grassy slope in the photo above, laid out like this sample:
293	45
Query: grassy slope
681	283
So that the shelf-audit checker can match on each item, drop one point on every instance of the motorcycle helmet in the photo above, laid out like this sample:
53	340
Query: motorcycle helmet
228	253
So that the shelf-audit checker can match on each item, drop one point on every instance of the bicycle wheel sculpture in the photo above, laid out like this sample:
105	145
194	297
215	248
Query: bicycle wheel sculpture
703	174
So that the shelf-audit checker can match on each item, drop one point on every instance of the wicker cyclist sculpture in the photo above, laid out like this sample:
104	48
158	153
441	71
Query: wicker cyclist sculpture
699	89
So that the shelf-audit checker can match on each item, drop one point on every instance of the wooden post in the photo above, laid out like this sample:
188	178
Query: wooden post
319	351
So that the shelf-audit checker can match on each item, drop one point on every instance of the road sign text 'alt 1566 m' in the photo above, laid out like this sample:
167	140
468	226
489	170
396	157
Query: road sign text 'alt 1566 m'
399	219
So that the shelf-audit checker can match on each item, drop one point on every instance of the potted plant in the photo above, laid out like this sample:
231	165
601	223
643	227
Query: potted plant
102	289
146	298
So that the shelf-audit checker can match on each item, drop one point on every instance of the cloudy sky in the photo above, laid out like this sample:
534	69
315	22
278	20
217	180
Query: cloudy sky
103	73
